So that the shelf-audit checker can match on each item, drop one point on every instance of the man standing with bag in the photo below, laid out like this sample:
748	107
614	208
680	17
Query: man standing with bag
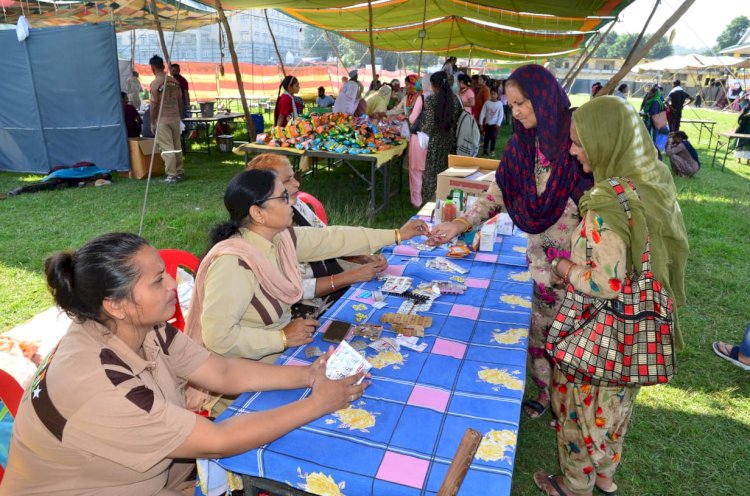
676	100
166	112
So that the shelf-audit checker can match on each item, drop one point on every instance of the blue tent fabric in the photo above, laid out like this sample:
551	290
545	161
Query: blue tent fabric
76	173
60	99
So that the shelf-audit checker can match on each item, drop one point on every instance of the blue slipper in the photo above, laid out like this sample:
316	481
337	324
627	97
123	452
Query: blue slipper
733	356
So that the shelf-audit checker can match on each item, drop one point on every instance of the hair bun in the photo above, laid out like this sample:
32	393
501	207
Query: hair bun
59	271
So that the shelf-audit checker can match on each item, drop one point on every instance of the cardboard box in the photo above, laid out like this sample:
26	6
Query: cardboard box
472	175
140	158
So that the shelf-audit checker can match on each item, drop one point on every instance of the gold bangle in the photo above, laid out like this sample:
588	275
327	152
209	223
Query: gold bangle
567	272
398	236
553	265
283	339
465	222
333	286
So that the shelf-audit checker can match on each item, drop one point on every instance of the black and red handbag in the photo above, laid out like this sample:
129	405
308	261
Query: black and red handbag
623	341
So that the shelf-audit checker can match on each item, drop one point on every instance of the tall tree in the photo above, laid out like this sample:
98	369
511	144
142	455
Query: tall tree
733	32
624	42
603	50
661	49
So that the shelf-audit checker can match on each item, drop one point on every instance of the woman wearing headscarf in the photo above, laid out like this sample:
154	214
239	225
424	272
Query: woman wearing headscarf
404	106
653	104
441	112
610	140
349	96
539	184
377	103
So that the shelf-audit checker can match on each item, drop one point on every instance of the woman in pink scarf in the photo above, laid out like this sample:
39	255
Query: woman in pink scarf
249	279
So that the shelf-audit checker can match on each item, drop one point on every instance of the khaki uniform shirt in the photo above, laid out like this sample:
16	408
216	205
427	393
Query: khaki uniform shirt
100	419
240	319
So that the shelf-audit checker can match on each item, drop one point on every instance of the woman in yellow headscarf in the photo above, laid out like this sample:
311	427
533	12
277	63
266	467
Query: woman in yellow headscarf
611	141
377	103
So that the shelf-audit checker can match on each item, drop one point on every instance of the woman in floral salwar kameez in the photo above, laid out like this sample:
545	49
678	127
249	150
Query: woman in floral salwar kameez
611	141
539	183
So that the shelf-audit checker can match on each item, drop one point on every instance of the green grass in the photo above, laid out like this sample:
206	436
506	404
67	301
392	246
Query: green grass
688	437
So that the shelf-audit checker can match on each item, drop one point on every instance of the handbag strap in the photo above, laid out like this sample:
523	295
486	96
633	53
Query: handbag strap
622	198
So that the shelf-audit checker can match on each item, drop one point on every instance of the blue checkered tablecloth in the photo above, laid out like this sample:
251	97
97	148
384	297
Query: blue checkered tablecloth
399	439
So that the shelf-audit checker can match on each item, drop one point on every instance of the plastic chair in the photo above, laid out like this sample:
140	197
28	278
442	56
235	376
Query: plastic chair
315	204
172	260
11	393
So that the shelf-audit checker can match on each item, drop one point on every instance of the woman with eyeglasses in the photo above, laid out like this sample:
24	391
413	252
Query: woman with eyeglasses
249	279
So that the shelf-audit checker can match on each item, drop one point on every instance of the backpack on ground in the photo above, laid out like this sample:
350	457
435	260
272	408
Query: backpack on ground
467	135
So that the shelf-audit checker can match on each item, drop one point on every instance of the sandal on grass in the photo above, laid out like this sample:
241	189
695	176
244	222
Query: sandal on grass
612	490
537	409
733	356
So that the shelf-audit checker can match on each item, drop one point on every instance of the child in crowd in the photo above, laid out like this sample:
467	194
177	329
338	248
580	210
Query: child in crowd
133	121
490	119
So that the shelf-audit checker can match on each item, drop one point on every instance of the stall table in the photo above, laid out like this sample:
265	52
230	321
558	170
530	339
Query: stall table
702	124
207	129
729	145
380	163
400	437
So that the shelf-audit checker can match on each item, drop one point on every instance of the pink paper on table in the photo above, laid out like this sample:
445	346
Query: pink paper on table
403	469
465	311
486	257
406	250
477	283
428	397
395	270
449	348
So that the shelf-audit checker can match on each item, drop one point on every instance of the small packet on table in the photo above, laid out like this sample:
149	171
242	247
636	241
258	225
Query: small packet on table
346	362
444	265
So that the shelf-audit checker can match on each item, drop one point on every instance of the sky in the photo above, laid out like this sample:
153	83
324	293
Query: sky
698	28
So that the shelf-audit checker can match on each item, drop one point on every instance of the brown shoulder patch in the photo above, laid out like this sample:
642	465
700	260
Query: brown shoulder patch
108	357
142	397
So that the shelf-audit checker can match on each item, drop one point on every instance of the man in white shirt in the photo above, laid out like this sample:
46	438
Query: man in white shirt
490	119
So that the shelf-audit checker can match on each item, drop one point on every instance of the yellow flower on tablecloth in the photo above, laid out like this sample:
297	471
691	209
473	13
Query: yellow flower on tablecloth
521	276
516	300
494	445
320	483
355	418
519	249
386	358
501	377
511	336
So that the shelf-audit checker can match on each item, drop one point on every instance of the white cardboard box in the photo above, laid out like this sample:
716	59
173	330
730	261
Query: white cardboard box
472	175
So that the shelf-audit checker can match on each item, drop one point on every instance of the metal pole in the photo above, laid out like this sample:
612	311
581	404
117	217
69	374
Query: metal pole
275	46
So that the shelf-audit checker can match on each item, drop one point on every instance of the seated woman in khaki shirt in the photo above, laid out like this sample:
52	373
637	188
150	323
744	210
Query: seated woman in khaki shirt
106	414
249	279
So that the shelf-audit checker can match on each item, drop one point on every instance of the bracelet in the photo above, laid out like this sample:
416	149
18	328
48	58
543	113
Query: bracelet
283	339
553	265
398	236
468	225
567	272
333	286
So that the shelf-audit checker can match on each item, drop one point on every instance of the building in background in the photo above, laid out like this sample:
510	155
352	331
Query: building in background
249	30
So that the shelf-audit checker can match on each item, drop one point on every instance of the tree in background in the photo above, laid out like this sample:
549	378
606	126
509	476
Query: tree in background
622	45
733	32
603	50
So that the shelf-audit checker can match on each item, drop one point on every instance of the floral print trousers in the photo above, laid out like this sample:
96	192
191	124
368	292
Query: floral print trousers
591	426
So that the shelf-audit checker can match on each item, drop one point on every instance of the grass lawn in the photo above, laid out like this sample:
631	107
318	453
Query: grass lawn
688	437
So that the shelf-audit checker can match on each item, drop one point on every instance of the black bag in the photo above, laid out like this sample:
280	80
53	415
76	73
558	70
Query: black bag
417	126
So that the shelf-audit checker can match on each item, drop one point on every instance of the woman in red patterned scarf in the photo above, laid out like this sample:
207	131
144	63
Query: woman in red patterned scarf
539	184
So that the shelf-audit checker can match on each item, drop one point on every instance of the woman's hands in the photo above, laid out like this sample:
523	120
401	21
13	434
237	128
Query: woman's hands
299	332
368	271
414	228
334	395
442	233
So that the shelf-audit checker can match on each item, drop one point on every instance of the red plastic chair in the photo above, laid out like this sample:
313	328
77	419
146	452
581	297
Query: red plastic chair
172	260
11	393
315	204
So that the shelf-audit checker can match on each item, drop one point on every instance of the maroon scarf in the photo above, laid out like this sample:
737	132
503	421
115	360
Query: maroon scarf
516	176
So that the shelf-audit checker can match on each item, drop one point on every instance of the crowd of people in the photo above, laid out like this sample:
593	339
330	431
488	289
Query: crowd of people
272	266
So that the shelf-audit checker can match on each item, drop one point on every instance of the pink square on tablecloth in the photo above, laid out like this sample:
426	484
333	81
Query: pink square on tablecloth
428	397
403	469
395	270
465	311
406	250
477	283
449	348
367	301
485	257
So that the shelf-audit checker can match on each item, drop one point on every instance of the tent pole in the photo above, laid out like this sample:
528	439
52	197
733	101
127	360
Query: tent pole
372	40
471	47
588	56
238	75
642	51
132	48
335	50
422	36
275	46
163	42
643	31
573	68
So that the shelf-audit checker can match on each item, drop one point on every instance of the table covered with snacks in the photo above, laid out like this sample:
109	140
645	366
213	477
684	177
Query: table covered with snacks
459	362
344	140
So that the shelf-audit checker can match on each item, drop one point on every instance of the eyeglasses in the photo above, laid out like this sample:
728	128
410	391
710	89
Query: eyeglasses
284	196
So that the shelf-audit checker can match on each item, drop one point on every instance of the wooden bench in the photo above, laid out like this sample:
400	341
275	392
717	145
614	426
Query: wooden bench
730	144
